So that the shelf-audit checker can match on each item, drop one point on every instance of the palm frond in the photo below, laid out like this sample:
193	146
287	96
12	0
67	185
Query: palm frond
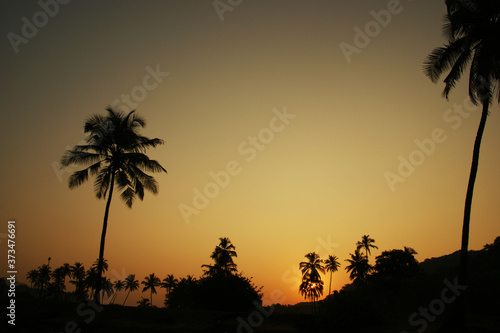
78	178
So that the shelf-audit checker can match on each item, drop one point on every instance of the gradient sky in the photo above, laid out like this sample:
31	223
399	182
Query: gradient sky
317	184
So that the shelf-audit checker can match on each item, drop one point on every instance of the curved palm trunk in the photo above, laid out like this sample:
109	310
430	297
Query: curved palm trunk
330	285
151	297
126	297
103	238
468	198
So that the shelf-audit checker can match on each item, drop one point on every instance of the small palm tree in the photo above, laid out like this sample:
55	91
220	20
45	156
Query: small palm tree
79	275
118	286
358	266
366	243
130	284
32	277
144	303
312	285
150	283
331	265
169	283
223	257
115	153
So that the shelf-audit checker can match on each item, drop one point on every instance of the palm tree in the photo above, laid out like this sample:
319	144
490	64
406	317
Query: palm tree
78	273
118	286
472	29
366	243
44	273
331	265
150	283
169	283
143	303
32	277
358	266
312	285
130	284
223	257
114	153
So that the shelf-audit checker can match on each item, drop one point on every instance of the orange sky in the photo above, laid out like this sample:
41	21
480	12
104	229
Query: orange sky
315	181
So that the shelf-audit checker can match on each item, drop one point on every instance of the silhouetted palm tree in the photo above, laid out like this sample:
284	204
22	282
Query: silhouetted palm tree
78	273
331	265
144	303
312	285
114	153
169	283
44	273
472	29
366	243
131	284
223	257
150	283
358	266
118	286
32	277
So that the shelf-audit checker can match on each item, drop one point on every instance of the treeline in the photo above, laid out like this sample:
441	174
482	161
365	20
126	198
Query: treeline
221	287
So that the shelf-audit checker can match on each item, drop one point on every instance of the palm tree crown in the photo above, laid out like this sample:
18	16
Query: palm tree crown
331	265
472	28
366	243
150	283
130	284
115	153
358	266
223	257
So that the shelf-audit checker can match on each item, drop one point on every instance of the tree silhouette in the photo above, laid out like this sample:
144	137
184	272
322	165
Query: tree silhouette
115	153
358	266
130	284
32	277
366	243
397	264
118	285
331	265
144	303
78	273
223	257
169	283
150	283
312	285
472	29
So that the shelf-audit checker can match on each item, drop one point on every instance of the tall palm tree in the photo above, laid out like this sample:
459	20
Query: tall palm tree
130	284
223	257
358	266
115	153
367	244
472	29
150	283
44	273
331	265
